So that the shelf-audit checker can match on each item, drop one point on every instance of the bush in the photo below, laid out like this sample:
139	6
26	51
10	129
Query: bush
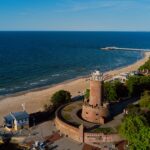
135	129
137	84
121	89
133	109
133	85
114	91
110	92
146	66
60	97
145	100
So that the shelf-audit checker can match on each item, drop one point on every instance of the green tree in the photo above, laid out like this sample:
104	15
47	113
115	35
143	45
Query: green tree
145	100
60	97
136	130
114	90
137	84
121	89
146	66
133	109
133	85
144	83
110	92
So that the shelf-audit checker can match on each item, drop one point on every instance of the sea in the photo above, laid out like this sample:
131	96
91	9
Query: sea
31	60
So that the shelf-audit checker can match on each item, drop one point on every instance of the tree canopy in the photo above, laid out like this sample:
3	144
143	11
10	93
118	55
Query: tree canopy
110	92
60	97
114	90
133	109
146	66
145	100
136	125
136	130
137	84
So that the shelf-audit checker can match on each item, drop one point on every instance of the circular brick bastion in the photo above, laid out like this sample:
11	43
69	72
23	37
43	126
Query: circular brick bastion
69	123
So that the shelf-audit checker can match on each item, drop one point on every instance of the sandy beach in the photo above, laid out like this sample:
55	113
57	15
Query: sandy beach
35	100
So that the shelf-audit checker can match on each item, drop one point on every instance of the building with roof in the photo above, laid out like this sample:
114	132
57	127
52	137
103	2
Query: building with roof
17	120
121	78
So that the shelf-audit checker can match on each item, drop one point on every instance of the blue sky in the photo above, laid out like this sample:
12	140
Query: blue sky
82	15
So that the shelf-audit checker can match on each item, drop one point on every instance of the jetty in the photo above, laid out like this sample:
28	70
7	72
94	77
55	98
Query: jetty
126	49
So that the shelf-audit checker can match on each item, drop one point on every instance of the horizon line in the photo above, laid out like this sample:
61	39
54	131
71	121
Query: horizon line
73	31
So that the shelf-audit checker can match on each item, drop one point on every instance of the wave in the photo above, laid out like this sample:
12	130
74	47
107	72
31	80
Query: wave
2	89
43	80
55	75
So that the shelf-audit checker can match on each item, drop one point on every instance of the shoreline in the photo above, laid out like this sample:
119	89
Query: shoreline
36	89
2	97
35	99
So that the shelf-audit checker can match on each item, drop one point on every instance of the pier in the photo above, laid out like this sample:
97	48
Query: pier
126	49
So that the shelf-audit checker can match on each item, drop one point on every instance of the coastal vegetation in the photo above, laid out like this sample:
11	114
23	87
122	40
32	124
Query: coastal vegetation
137	84
135	127
145	100
134	87
113	91
136	130
133	109
60	97
146	66
136	124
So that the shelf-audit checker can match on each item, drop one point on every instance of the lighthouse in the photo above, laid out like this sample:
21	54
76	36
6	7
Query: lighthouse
93	109
96	89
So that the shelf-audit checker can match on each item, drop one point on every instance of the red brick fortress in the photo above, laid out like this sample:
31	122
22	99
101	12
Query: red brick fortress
94	110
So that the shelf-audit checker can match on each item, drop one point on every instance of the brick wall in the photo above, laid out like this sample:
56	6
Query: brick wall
95	115
78	134
100	138
67	129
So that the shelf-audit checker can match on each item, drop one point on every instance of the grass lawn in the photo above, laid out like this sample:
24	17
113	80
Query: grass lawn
67	116
69	108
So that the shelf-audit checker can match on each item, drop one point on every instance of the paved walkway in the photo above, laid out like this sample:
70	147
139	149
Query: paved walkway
68	144
43	130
